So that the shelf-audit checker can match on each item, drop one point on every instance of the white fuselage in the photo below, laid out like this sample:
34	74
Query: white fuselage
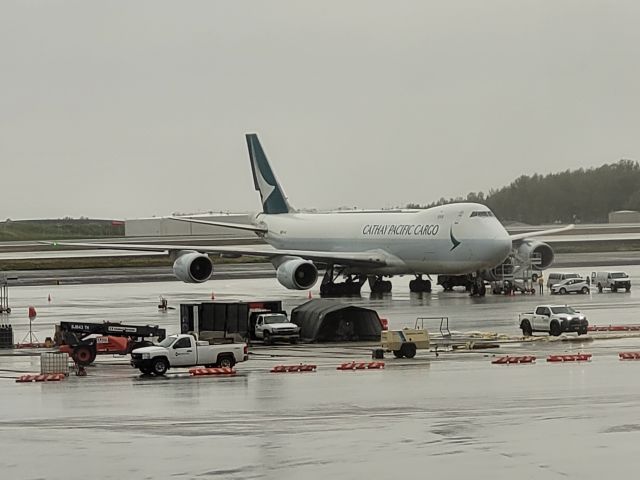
450	239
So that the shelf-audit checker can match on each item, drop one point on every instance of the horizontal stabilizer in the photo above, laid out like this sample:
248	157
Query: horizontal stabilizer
522	236
237	226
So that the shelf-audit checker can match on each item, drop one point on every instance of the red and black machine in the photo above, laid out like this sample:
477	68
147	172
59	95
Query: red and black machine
84	340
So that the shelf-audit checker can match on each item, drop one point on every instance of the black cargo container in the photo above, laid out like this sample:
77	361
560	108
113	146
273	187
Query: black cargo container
227	318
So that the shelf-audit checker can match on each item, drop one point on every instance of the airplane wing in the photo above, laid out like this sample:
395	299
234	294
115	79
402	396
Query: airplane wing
372	258
522	236
237	226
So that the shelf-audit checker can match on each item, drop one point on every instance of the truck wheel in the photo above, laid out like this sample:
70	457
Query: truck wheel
527	331
266	338
554	329
408	350
398	353
145	370
84	355
160	366
628	289
226	361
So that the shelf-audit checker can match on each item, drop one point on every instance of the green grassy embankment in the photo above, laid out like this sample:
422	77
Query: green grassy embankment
59	229
107	262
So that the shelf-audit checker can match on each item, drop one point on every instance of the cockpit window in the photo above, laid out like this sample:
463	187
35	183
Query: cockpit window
482	213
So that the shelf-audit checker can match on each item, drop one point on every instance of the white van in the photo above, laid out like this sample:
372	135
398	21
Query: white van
612	280
556	277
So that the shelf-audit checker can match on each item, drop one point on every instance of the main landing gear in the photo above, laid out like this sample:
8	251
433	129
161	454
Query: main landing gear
350	286
420	285
378	285
478	288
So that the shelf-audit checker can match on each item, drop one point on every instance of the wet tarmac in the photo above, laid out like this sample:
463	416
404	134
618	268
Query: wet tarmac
454	416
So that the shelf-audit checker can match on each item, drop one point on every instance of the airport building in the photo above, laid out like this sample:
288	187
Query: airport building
166	227
624	216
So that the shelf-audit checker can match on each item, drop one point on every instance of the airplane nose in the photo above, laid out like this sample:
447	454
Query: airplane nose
504	248
501	244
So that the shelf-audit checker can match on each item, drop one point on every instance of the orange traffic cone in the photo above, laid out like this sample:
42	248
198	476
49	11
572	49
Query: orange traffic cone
309	296
213	297
49	298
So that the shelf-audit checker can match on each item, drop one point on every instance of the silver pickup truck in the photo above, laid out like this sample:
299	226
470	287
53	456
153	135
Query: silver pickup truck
185	351
554	319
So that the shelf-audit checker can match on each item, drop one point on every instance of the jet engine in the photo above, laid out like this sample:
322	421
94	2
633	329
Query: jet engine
297	274
193	267
541	253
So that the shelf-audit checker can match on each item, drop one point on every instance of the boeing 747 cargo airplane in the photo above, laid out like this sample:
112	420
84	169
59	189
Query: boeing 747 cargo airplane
454	239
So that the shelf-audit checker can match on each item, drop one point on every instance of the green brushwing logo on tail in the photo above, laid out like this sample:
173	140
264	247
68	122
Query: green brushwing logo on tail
273	200
454	240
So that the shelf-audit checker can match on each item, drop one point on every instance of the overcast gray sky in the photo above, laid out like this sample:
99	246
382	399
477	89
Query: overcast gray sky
137	108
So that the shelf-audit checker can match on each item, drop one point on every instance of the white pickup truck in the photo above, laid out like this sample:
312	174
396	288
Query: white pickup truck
554	319
185	351
276	326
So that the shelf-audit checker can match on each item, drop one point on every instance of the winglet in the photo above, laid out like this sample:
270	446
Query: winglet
273	198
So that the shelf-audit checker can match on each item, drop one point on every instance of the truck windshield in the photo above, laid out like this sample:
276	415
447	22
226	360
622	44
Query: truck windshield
563	310
618	275
166	343
276	319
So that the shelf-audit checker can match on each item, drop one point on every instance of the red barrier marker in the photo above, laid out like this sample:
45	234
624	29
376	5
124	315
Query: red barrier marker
581	357
629	355
511	360
197	372
361	366
293	368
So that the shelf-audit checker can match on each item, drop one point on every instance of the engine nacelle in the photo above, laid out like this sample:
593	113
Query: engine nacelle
193	267
540	253
297	274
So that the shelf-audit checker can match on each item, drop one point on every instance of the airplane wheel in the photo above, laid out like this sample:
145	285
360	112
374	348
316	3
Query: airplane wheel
398	353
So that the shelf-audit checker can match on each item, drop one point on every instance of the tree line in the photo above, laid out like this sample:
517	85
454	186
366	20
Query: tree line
571	196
